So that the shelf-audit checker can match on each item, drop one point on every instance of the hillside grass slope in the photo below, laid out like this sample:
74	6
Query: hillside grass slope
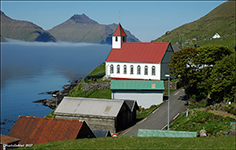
136	143
220	20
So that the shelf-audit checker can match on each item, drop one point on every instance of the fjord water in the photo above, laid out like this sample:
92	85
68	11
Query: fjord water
30	68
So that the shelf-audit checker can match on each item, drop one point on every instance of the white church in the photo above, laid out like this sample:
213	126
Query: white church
137	61
137	70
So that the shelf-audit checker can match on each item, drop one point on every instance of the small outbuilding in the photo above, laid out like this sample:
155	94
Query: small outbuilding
8	142
103	114
38	130
145	92
216	36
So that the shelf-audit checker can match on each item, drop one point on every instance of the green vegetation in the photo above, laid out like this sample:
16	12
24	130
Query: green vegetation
197	106
77	91
142	143
98	71
206	71
51	114
101	94
220	20
143	113
198	119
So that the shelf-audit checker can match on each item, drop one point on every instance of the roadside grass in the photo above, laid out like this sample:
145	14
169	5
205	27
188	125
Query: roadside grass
199	119
226	142
143	113
197	106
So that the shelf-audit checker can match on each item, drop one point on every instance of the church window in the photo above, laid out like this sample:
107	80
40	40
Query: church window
116	38
111	69
118	68
146	70
138	70
131	69
125	69
153	70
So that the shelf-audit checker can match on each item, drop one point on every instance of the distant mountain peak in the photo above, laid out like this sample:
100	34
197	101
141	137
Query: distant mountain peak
82	19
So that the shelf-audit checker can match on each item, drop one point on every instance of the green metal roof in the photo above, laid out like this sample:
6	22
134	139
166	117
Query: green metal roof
137	85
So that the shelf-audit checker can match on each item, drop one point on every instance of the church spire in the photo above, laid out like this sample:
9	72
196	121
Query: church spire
119	17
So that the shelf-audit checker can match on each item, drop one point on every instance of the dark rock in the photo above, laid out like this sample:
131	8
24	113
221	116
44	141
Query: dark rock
40	101
51	103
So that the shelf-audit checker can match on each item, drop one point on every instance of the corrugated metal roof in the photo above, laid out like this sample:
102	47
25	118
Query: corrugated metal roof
37	130
8	139
151	52
90	106
119	31
137	85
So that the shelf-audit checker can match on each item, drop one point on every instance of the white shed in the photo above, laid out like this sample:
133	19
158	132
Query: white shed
146	93
216	36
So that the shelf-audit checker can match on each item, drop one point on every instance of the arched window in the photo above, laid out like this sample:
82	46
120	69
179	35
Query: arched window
116	38
153	70
125	69
138	70
146	70
131	69
111	69
118	68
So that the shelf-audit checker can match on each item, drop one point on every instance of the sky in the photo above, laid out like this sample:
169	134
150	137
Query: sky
146	20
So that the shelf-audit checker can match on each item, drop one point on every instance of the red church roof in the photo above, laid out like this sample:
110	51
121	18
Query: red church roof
119	31
152	52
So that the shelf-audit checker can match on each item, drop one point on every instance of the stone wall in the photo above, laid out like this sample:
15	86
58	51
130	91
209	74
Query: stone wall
96	86
94	122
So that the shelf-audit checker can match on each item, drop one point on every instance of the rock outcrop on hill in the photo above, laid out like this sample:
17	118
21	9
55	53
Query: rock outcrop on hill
23	30
80	28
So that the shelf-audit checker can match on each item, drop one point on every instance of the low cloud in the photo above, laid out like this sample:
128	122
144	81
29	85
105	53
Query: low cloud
58	43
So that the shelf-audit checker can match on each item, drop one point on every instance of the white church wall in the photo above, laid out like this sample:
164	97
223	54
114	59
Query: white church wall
135	74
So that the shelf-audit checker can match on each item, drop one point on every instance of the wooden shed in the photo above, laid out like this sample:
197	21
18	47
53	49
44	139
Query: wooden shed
103	114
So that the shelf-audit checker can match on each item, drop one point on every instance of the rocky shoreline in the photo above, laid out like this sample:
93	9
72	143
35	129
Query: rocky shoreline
57	95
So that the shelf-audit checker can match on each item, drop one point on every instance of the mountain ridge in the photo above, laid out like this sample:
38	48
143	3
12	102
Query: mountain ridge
88	31
23	30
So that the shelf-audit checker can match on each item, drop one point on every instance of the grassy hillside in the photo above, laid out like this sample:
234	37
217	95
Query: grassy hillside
220	20
142	143
212	122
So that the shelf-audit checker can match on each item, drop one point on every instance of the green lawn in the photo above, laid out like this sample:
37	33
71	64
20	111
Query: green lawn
199	119
128	143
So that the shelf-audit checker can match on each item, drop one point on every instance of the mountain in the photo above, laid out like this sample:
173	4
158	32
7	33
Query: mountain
80	28
220	20
23	30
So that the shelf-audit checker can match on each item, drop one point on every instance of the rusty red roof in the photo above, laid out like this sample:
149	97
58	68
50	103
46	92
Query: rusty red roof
37	130
8	139
147	52
119	31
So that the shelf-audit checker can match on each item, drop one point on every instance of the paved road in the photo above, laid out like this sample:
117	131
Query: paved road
158	119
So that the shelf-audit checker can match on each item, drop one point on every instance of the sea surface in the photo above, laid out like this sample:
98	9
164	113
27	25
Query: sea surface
30	68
